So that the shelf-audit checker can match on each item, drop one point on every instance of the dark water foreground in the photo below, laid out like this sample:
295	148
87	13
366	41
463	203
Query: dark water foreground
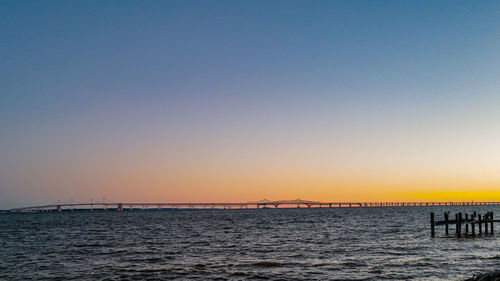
390	243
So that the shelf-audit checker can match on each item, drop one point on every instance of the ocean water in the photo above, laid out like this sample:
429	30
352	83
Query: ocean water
385	243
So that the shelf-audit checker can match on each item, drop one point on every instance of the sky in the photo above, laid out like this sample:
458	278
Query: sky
236	101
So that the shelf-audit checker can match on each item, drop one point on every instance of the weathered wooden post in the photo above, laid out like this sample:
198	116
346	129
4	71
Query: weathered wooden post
466	224
433	233
473	228
491	223
486	223
446	218
480	224
460	220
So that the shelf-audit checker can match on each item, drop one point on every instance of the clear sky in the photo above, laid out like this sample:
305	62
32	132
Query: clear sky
245	100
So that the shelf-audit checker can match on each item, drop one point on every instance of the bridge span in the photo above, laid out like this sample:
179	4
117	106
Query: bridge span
264	204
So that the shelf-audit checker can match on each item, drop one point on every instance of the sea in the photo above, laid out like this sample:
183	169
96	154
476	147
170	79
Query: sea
367	243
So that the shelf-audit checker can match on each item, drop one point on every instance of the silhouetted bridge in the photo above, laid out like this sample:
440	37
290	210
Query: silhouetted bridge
298	203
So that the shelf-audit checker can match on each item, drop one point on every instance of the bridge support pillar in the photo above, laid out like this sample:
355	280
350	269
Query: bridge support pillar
120	207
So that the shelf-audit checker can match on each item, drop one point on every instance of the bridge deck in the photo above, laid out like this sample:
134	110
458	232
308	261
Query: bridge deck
262	204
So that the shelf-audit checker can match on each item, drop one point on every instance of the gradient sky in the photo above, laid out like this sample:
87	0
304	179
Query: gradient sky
244	100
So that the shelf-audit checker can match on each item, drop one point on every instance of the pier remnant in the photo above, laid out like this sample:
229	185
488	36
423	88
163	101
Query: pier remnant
470	219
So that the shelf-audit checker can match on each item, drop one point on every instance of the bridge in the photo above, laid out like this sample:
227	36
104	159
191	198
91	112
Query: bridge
263	204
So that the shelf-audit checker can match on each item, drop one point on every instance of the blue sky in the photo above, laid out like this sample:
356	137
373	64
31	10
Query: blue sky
79	74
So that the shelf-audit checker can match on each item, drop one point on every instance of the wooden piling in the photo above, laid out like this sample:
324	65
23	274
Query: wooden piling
433	233
446	218
479	222
491	223
466	224
486	223
473	226
460	220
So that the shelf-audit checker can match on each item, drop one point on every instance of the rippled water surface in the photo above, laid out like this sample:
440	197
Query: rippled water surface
391	243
